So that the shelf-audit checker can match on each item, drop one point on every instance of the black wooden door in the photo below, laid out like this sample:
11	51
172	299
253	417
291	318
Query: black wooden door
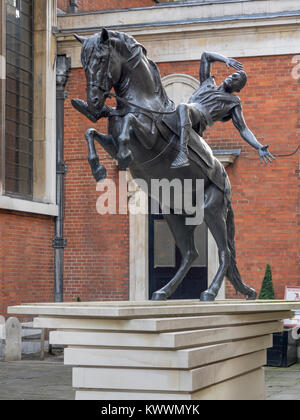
165	258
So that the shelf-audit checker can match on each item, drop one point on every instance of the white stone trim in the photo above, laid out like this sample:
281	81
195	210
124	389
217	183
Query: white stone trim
266	27
16	204
44	119
2	329
2	67
180	78
257	42
138	247
227	157
211	13
179	87
44	169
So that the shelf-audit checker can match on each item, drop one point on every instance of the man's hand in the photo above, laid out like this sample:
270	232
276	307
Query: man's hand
265	155
231	62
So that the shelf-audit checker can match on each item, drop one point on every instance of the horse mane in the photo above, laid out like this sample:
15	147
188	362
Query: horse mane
138	51
135	49
92	45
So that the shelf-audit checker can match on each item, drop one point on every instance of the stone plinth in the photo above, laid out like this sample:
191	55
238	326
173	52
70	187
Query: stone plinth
174	350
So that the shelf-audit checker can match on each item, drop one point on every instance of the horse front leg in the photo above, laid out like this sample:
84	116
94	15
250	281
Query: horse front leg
144	129
108	143
124	155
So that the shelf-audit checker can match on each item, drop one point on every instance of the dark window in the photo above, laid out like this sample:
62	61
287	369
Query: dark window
19	98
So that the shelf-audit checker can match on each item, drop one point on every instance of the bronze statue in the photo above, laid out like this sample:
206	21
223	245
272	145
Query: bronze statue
211	103
144	135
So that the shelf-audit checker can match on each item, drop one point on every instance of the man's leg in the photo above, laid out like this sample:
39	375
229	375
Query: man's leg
188	117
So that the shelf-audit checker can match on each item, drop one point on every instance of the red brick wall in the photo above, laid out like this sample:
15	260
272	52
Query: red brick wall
63	4
91	5
265	198
86	5
26	259
96	259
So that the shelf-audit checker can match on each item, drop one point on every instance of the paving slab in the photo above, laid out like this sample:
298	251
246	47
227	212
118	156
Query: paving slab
283	383
32	379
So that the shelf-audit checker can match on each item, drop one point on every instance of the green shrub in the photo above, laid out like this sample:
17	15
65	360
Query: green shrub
267	289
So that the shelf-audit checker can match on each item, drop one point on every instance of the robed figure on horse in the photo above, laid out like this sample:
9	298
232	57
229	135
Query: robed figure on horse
156	141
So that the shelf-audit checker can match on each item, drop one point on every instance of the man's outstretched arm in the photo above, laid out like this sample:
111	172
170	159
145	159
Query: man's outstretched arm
239	122
208	58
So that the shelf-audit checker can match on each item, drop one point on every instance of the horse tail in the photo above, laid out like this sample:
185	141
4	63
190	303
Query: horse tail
233	274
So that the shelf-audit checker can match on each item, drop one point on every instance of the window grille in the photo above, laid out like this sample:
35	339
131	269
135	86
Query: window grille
19	99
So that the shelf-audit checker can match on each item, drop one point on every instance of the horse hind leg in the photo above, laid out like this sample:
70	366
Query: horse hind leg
215	218
220	220
184	238
233	274
108	143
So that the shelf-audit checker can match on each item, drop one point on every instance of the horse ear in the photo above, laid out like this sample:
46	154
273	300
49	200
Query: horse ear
104	37
80	38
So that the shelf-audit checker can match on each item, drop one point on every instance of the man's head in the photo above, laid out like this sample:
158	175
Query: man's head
235	82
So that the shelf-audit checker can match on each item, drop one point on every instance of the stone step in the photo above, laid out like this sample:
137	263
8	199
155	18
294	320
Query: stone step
180	359
238	388
158	324
151	309
172	340
166	379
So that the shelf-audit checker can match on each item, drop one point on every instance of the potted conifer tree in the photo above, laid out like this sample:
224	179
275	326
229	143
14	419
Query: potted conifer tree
267	289
284	350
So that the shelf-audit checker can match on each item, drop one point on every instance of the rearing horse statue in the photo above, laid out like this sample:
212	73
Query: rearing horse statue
143	135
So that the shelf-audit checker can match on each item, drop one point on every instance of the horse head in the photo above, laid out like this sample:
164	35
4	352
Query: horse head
109	59
98	63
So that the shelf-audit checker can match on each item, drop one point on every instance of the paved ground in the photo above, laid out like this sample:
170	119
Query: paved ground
31	379
283	383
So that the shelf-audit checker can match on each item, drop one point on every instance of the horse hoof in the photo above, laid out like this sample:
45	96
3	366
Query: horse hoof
252	295
124	161
159	296
100	173
207	297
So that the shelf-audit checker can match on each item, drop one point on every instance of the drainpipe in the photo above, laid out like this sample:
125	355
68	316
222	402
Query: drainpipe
63	65
73	6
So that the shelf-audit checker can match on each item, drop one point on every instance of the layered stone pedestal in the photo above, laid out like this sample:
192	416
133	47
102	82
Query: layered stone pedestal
173	350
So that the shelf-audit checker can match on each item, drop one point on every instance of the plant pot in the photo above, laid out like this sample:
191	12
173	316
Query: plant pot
284	350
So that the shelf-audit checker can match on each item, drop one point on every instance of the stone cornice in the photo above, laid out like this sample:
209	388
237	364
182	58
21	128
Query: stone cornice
227	156
183	32
204	14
